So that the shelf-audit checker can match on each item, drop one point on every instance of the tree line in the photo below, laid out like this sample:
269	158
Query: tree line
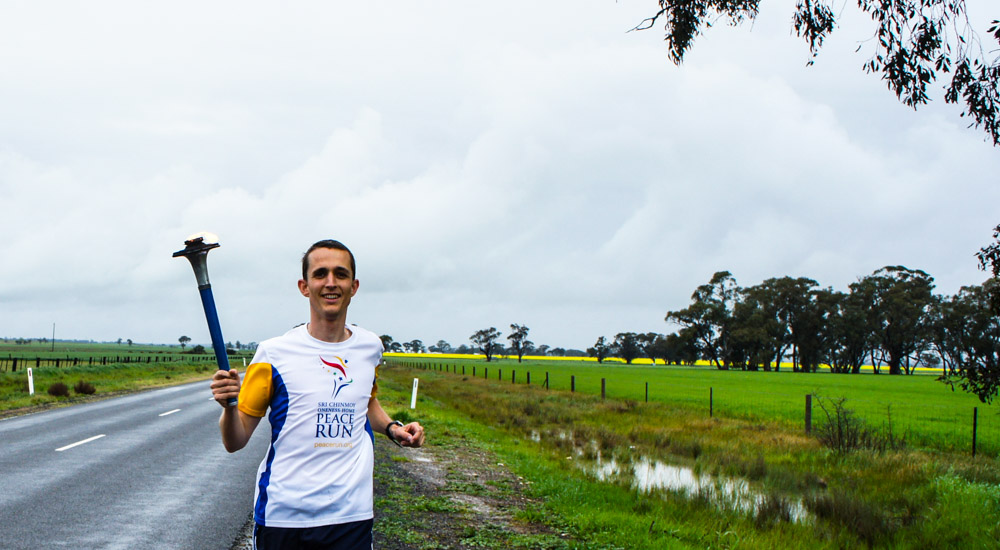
890	319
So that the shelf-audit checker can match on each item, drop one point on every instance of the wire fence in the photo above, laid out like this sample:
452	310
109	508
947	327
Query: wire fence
972	429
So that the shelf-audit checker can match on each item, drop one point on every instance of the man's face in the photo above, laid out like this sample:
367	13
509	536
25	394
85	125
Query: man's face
330	284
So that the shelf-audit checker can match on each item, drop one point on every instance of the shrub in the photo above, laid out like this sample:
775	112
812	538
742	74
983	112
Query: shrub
84	388
843	431
59	390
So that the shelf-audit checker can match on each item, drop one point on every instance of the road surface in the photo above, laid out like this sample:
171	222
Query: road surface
142	471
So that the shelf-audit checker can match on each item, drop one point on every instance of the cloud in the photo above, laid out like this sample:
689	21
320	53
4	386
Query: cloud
488	165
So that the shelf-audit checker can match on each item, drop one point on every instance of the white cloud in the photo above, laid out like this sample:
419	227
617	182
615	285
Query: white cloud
487	164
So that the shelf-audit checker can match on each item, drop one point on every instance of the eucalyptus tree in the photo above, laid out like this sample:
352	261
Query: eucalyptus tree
626	346
486	340
709	317
898	301
914	42
601	349
519	342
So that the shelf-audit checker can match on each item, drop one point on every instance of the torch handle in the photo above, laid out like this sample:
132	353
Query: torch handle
215	329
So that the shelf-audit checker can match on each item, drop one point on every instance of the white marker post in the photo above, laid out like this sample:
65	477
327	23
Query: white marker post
413	400
31	382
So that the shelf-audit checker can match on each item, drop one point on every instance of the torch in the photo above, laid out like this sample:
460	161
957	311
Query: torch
196	249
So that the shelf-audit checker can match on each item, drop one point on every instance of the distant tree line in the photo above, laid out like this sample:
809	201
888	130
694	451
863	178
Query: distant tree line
891	320
485	342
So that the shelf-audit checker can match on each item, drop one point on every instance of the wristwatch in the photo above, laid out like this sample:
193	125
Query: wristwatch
388	431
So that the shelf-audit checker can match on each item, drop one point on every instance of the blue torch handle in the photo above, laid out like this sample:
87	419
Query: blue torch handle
212	316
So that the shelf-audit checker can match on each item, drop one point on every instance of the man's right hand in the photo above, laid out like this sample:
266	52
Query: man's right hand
225	386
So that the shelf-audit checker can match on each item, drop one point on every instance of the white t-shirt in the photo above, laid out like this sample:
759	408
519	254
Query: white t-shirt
318	469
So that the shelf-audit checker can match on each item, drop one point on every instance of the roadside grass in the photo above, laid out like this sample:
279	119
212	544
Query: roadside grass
553	439
921	410
103	379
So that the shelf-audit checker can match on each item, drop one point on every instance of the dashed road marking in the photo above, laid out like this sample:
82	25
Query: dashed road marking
88	440
170	412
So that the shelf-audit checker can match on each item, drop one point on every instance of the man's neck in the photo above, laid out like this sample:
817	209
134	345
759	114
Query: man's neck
333	331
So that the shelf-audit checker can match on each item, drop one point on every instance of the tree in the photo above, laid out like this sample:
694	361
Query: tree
849	334
129	342
647	343
600	350
973	331
976	334
915	40
898	301
441	347
183	340
709	317
519	342
414	346
542	349
626	346
386	341
486	340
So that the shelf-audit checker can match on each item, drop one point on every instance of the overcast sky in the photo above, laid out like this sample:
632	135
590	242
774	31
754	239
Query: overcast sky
488	163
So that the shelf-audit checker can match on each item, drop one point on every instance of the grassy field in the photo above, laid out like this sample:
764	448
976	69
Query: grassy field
923	411
555	440
109	368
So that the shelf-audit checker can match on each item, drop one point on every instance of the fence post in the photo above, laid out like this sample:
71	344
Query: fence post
975	424
486	372
546	379
473	371
513	376
647	392
499	374
572	384
529	378
809	413
463	370
711	404
602	389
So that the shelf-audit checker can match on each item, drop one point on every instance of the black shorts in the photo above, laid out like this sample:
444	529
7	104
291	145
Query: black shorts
356	535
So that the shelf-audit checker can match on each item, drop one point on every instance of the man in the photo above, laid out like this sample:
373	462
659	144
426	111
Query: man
314	486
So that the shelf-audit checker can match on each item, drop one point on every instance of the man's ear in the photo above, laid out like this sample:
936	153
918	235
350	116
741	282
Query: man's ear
303	288
354	287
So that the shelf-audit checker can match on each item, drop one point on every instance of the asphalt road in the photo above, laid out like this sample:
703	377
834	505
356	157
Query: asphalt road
143	471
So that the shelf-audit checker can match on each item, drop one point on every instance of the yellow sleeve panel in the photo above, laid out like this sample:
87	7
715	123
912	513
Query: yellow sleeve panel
375	382
255	392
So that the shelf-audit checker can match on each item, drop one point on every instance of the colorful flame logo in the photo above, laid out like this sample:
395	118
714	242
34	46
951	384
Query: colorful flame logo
337	368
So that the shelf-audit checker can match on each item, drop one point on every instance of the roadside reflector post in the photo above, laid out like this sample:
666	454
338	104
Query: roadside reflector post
413	399
31	382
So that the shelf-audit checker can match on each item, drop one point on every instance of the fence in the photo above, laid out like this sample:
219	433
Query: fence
919	424
17	364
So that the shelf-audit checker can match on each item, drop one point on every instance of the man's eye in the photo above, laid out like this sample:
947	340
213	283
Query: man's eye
320	273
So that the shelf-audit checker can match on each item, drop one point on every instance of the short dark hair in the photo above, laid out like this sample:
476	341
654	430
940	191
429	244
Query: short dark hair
327	243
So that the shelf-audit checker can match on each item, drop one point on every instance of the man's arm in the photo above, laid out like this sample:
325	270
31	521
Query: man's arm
410	435
236	426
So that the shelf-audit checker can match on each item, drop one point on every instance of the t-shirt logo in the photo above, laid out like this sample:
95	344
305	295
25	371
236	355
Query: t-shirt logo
337	368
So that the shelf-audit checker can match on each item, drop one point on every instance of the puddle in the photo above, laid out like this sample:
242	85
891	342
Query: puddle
726	493
652	475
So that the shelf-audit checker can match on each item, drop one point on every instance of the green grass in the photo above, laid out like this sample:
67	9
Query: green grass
925	412
106	379
900	499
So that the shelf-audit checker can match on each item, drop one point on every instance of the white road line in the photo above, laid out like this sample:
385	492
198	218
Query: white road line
88	440
170	412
